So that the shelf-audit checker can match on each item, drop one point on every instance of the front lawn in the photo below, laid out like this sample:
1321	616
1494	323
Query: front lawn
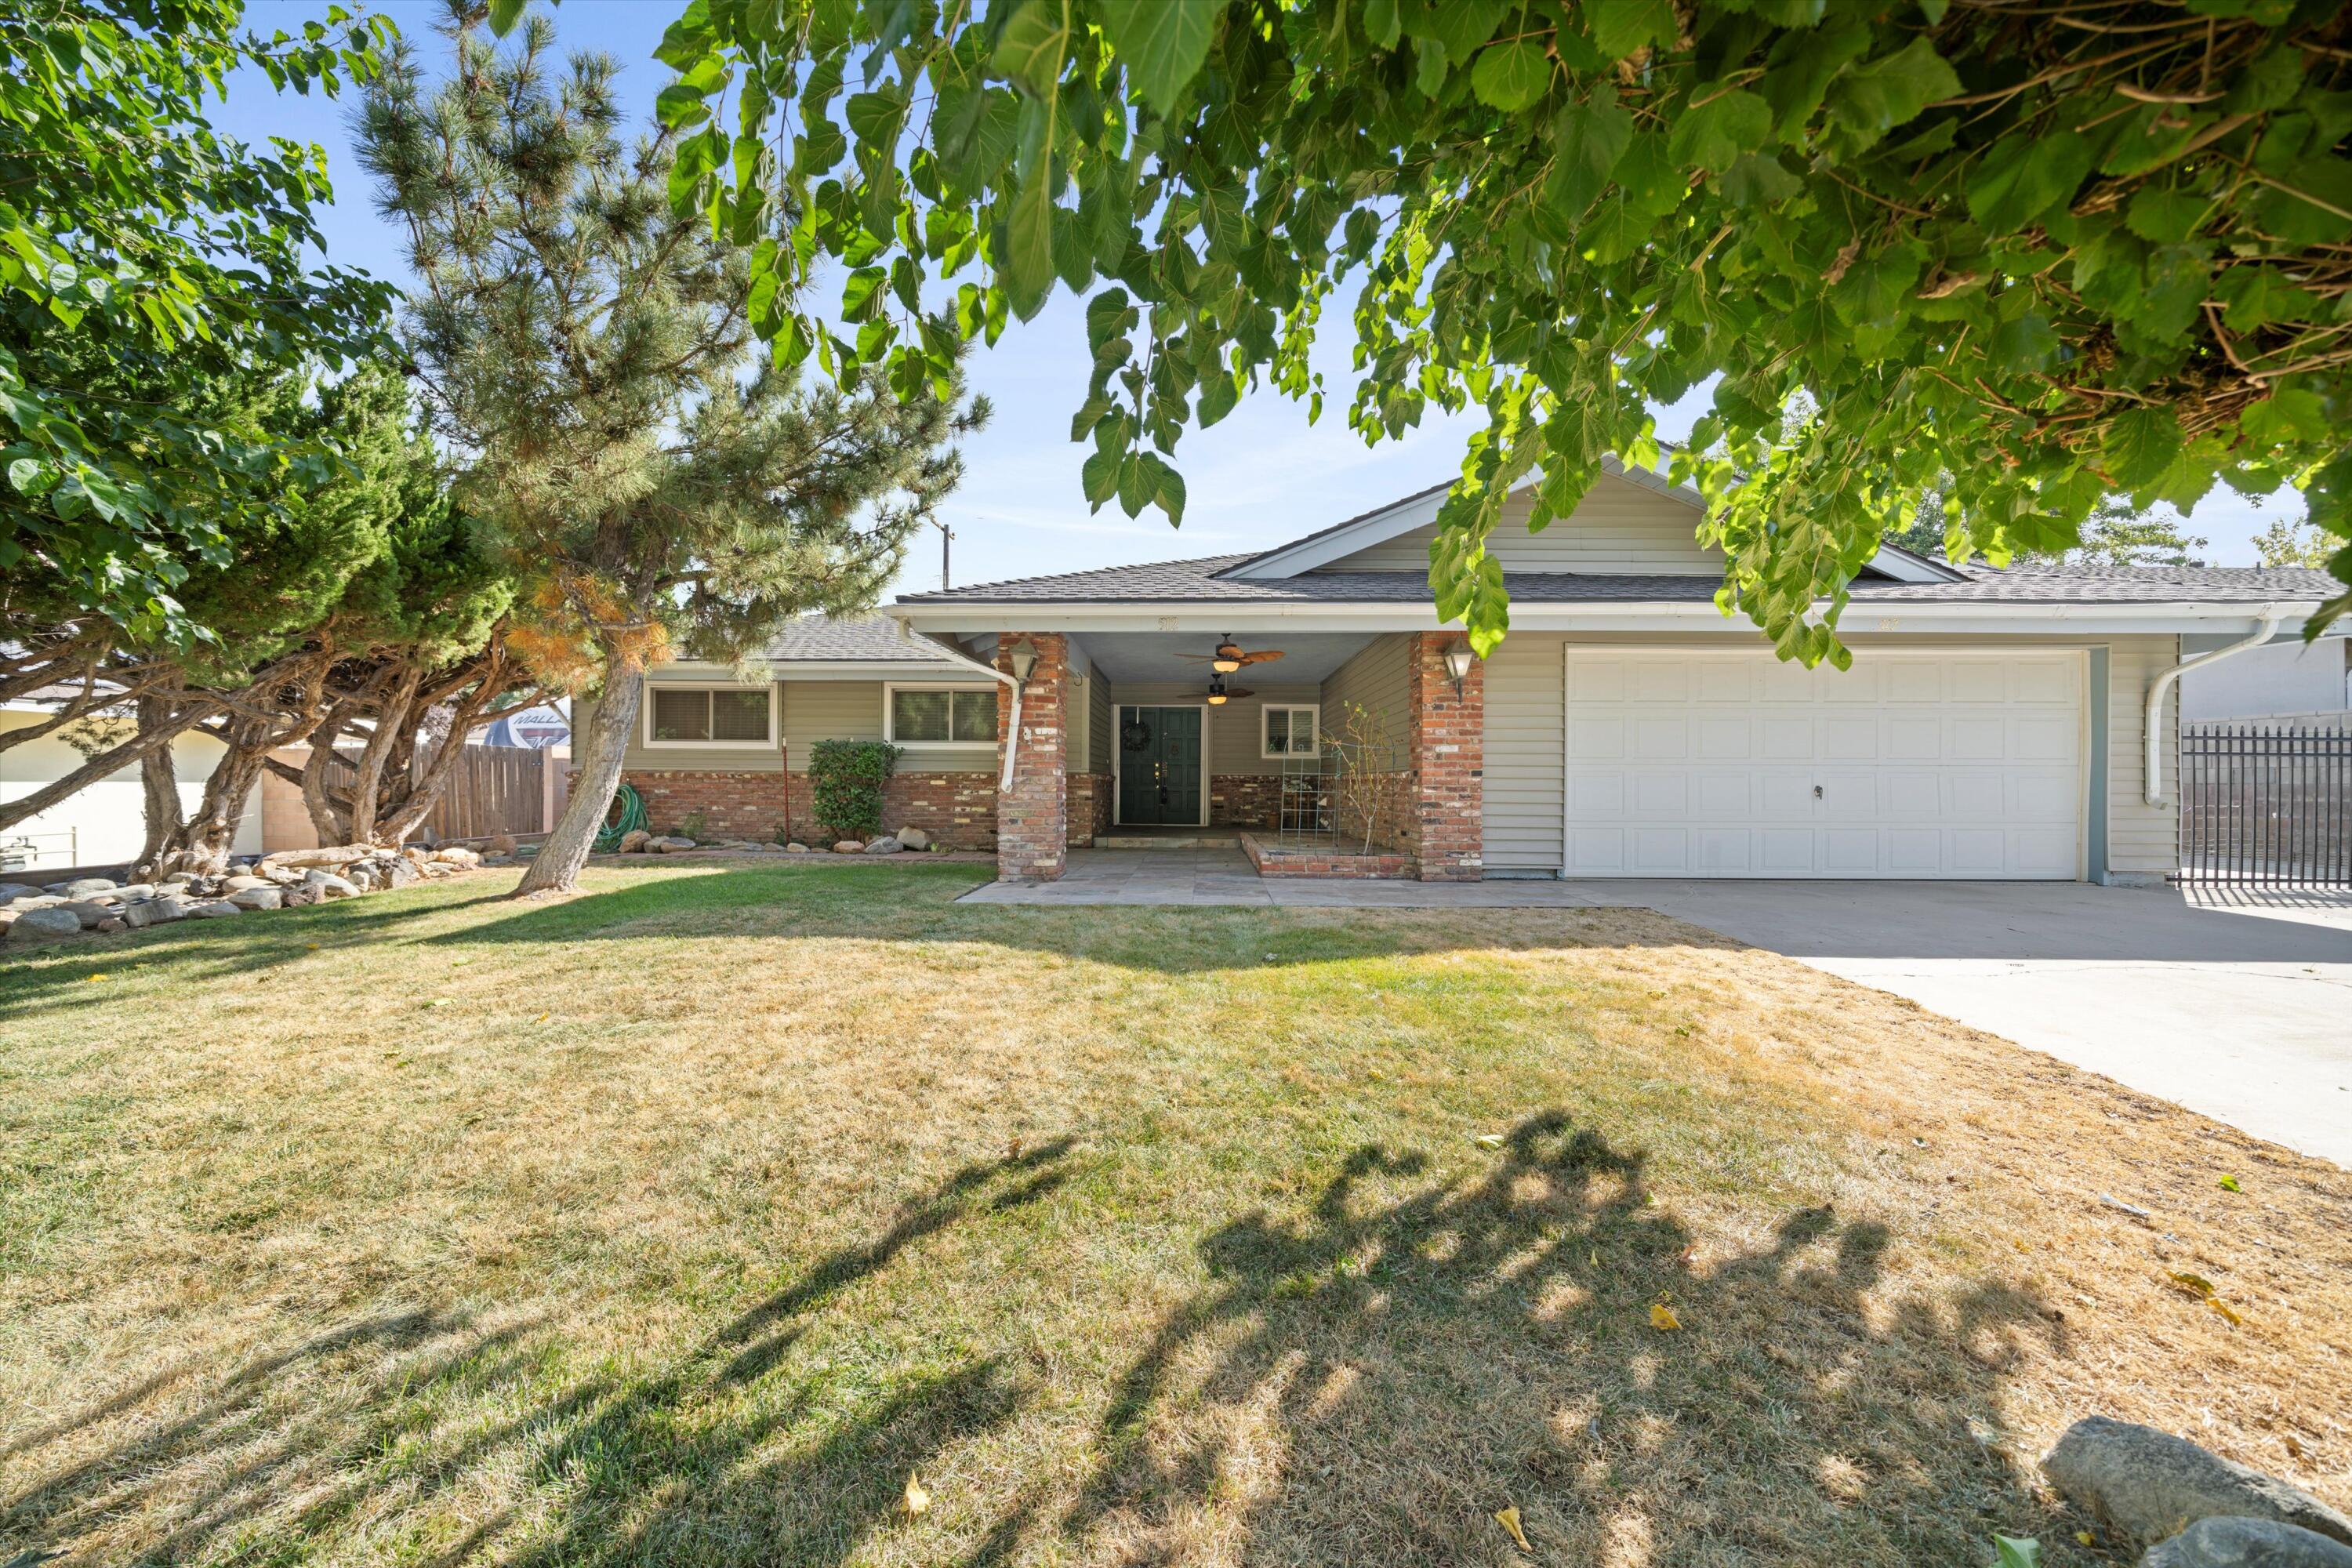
681	1222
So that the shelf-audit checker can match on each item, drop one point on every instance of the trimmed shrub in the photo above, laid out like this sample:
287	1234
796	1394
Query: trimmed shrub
845	780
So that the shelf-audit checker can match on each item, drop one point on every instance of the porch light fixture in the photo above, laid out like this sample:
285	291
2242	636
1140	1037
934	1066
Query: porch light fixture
1217	692
1023	659
1228	658
1457	665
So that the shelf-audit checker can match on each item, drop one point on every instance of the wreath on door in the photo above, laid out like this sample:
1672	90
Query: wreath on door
1135	735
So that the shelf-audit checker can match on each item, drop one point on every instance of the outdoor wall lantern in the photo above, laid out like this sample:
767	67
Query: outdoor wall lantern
1457	665
1023	659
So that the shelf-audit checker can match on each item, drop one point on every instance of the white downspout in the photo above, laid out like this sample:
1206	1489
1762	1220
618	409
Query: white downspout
1012	728
2152	778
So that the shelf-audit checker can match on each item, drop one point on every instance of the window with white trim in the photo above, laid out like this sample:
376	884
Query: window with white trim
710	716
940	716
1288	729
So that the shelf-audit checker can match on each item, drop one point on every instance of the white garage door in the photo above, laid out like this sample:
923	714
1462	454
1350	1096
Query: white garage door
1684	763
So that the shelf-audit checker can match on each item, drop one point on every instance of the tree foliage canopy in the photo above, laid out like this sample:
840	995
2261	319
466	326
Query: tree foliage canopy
2021	254
143	256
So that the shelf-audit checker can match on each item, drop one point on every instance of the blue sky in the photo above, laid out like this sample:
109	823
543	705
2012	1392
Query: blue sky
1263	475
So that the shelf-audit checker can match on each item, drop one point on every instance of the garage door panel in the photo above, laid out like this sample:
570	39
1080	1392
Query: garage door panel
1688	763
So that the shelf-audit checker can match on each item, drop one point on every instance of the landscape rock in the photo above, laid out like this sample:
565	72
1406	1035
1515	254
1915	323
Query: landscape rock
268	896
147	913
213	909
44	925
500	844
2151	1484
131	892
458	855
2229	1542
178	879
398	871
848	846
112	923
672	844
83	887
635	840
36	901
913	838
11	891
240	884
796	848
89	911
326	854
886	845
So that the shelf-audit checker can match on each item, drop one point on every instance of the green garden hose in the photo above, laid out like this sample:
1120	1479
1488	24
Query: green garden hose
632	817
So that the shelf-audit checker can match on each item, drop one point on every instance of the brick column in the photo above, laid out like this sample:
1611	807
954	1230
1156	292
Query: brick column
1447	737
1033	816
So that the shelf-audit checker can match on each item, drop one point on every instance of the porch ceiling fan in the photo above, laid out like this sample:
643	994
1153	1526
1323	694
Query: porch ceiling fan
1219	693
1230	656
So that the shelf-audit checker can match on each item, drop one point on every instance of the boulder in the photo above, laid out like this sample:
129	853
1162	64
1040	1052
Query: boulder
36	901
886	845
913	838
240	883
112	923
213	909
150	912
87	887
89	911
43	925
2151	1484
849	847
458	855
398	871
268	896
177	878
635	840
796	848
11	891
2228	1542
131	892
327	885
500	844
326	854
672	844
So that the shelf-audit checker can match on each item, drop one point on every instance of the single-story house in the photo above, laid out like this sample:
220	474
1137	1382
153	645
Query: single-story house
1995	723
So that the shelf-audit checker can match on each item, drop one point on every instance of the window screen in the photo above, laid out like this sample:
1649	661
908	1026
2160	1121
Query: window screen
681	715
1289	731
740	716
938	717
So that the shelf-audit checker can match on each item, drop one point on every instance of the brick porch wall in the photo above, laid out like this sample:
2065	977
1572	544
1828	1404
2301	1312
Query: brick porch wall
957	809
1246	800
1089	808
1446	731
1033	818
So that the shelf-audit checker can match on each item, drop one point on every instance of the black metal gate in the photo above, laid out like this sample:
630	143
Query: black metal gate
2265	805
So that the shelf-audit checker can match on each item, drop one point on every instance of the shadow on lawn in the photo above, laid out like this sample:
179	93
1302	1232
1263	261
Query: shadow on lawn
670	1465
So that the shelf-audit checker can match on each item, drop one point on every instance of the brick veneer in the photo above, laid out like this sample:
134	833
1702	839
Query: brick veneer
1272	857
1447	741
1033	817
1246	800
957	809
1089	808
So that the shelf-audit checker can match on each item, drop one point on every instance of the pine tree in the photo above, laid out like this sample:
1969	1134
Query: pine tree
587	350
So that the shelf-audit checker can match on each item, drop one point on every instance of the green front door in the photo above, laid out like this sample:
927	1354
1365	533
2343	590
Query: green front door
1160	765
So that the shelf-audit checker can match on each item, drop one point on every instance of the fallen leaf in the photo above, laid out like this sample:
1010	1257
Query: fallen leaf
2222	1307
99	976
459	962
2196	1282
2292	1447
1596	1257
1663	1316
542	1018
311	945
1509	1519
916	1499
2012	1552
1490	1141
2230	1184
440	1001
2086	1538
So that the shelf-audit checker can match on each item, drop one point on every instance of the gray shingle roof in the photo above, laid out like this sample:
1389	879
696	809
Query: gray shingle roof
1197	581
865	639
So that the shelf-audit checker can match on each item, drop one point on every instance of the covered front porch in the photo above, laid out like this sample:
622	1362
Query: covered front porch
1320	754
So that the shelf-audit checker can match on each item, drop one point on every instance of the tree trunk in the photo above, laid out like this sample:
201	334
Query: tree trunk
112	760
159	782
391	717
330	824
557	867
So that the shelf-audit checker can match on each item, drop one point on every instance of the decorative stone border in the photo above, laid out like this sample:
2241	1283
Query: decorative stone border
1276	860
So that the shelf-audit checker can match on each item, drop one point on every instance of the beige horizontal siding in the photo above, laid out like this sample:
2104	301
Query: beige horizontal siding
811	711
1099	727
1525	757
1375	677
1621	528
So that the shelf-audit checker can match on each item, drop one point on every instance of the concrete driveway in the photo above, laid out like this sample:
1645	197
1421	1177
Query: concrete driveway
2236	1005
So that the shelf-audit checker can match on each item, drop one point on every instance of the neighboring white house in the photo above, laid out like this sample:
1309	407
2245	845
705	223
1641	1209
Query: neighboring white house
2290	679
105	823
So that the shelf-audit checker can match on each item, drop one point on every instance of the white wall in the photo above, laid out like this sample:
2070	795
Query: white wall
102	825
2281	678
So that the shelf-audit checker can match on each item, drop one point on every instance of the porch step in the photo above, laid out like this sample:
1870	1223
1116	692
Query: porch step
1162	838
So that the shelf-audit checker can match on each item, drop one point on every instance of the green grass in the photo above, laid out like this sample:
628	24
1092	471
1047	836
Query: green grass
680	1221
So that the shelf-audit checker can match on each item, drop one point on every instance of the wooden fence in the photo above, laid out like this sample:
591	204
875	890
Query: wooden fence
492	789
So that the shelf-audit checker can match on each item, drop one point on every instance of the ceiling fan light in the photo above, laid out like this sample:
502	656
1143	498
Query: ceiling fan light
1216	699
1224	666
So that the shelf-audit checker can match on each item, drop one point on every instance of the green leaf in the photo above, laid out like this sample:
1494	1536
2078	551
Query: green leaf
2255	295
2165	217
1382	23
2026	343
2139	443
1429	67
2022	176
1163	43
1756	180
874	117
1028	266
1219	393
1620	26
1170	494
505	14
1709	135
1098	476
1871	99
1511	76
2289	414
2010	1552
1588	140
1034	44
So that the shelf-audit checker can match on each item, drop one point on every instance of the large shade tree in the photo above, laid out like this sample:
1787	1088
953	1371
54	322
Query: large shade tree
2020	255
144	257
585	347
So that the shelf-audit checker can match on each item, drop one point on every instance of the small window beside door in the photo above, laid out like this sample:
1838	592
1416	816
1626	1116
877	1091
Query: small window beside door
940	716
1290	730
711	716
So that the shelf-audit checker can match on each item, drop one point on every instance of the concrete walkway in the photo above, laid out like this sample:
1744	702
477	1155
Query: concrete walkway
2237	1005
